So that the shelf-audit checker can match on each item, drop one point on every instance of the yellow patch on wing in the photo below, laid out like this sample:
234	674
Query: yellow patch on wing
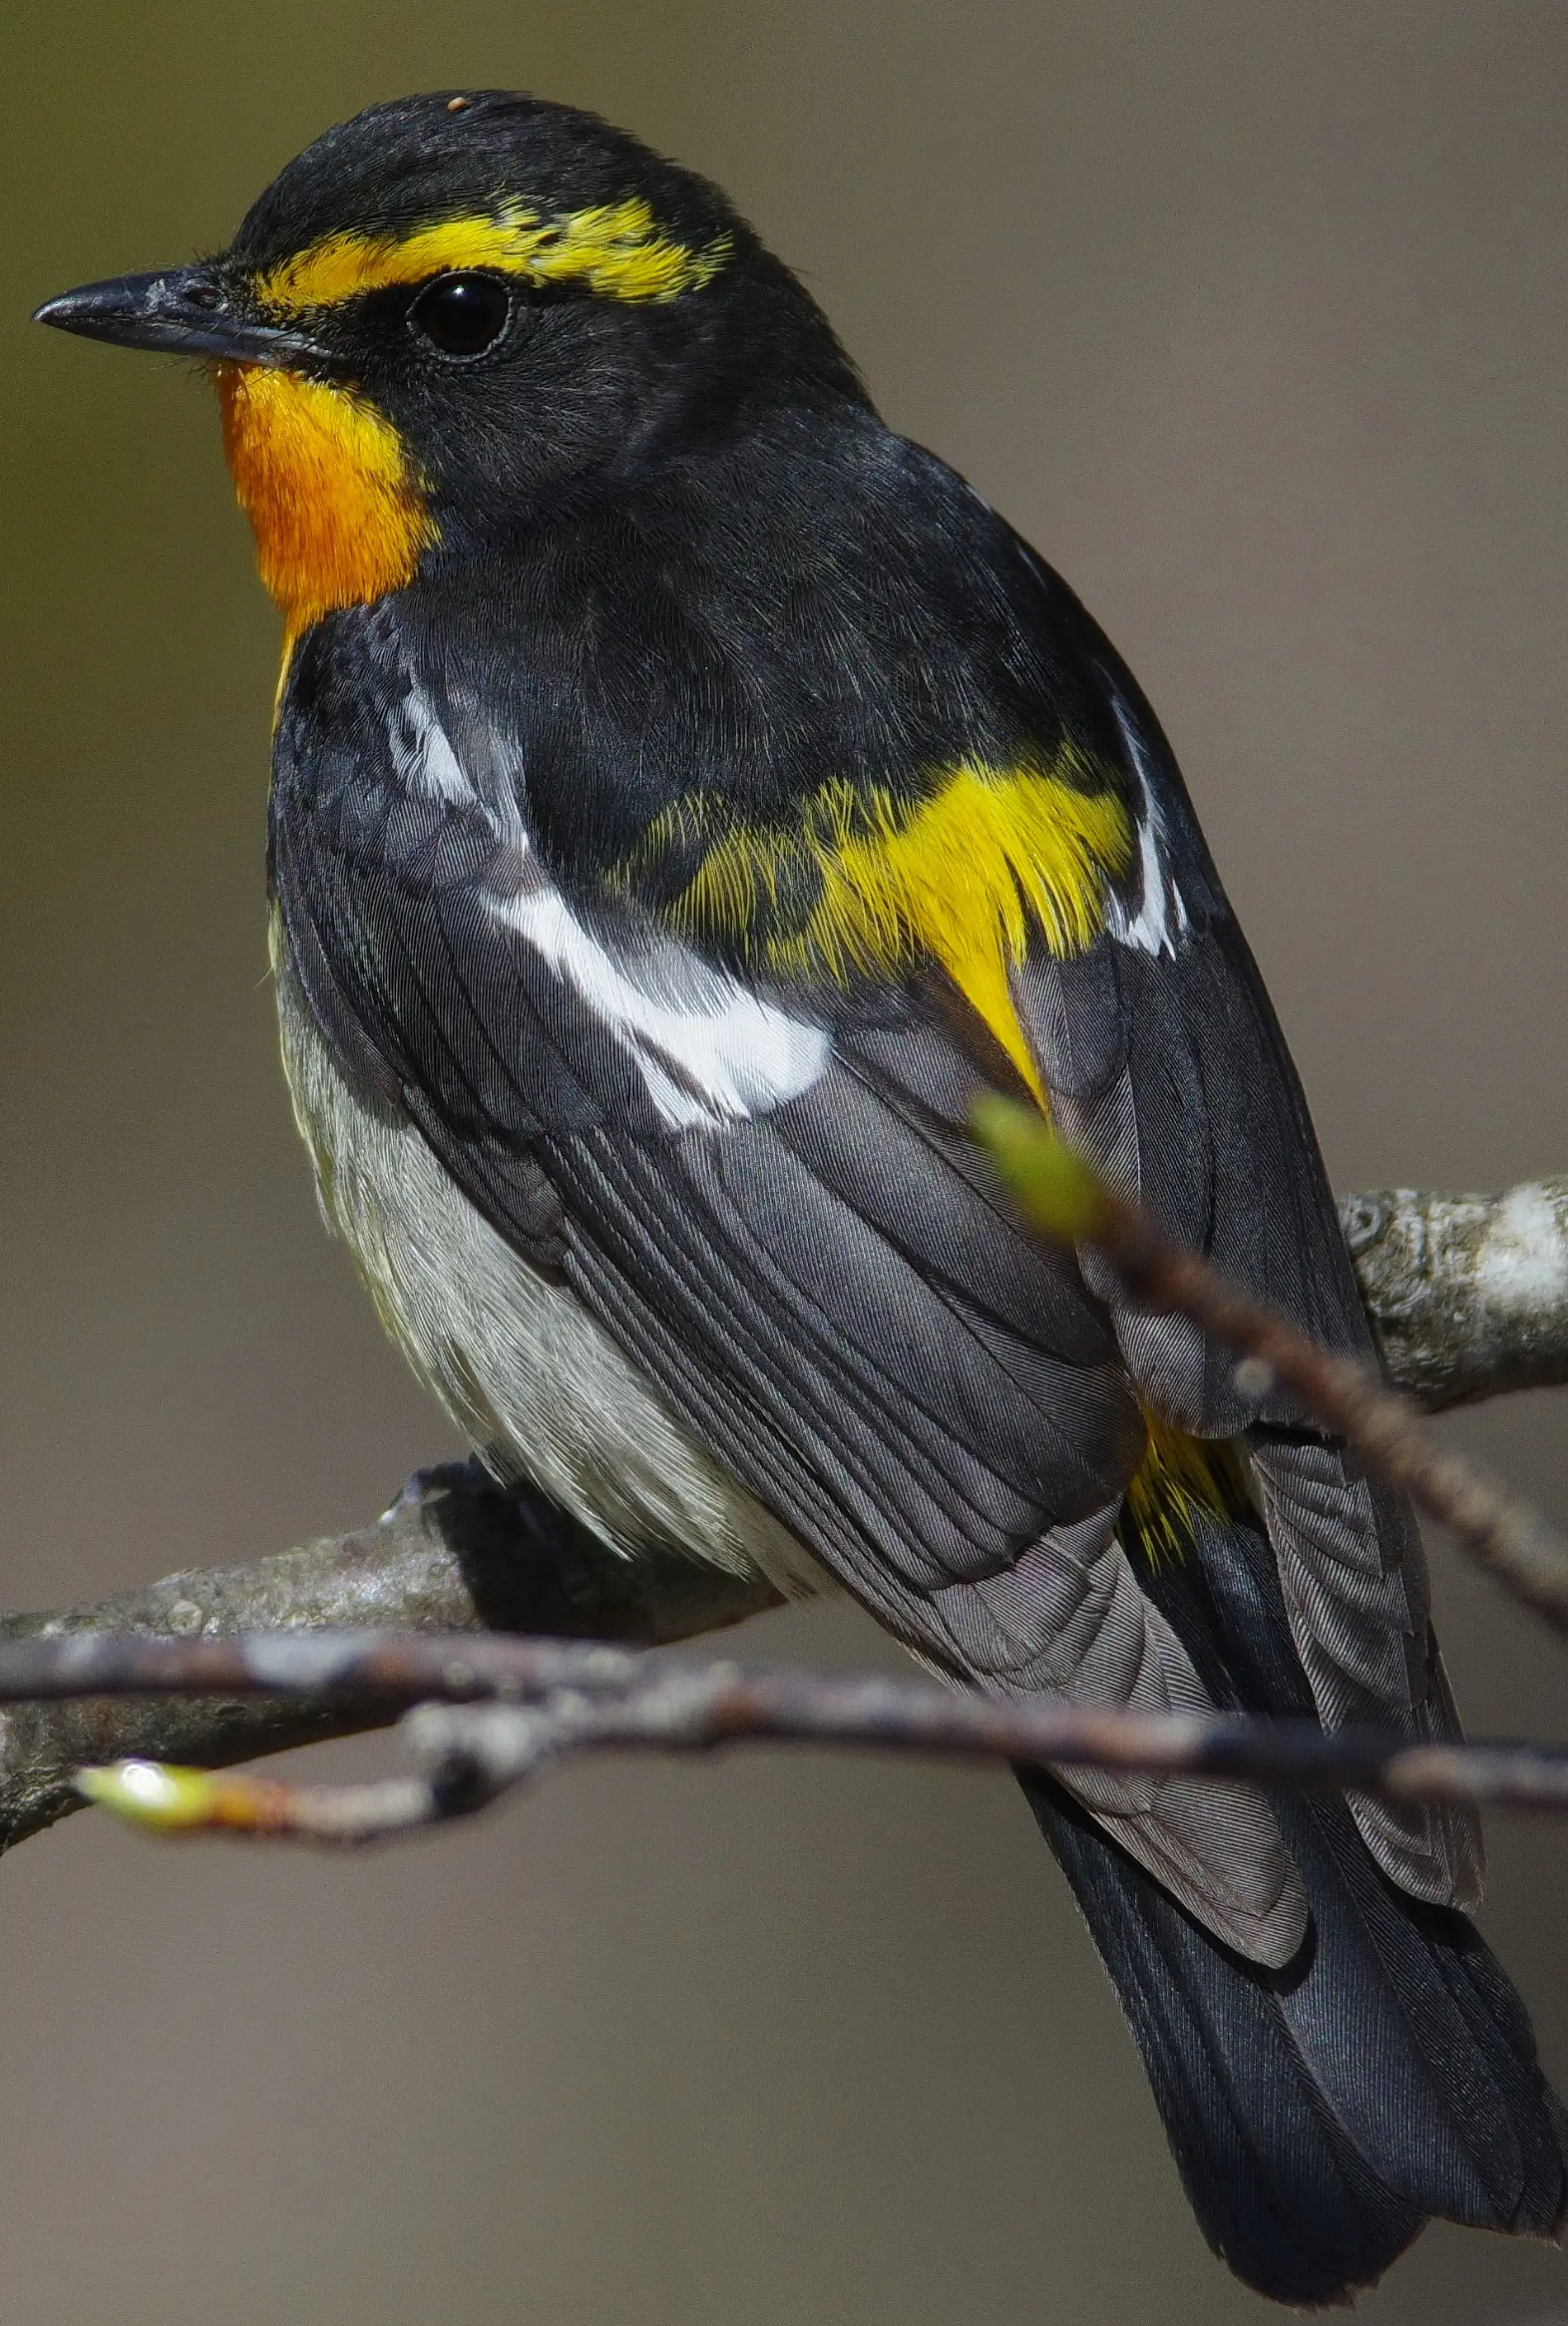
1178	1476
337	513
960	878
617	249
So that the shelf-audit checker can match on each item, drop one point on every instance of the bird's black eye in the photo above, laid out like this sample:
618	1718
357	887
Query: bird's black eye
461	314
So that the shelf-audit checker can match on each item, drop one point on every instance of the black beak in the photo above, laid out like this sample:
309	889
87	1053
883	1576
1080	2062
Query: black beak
185	311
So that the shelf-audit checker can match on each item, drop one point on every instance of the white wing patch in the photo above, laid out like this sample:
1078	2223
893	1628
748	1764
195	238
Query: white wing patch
423	754
709	1051
1161	920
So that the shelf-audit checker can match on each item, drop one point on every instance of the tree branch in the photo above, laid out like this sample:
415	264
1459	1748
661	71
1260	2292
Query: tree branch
454	1553
485	1714
1469	1296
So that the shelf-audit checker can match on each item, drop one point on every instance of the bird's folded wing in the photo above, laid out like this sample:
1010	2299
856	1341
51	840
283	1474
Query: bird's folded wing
936	1447
788	1228
1166	1065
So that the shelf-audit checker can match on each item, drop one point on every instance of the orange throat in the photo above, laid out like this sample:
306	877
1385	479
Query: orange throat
334	504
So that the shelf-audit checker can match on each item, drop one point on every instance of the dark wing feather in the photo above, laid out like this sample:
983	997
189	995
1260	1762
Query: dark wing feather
962	1480
1158	1045
1167	1064
831	1292
828	1288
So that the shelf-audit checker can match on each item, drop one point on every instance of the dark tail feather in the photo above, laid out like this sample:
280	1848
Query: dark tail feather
1322	2114
1279	2190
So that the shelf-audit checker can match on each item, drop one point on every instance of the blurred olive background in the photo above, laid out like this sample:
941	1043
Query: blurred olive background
1254	318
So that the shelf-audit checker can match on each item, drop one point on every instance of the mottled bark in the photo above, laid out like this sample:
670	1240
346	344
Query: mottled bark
1468	1294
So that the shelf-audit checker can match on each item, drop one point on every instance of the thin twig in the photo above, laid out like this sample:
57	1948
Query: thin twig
454	1553
1062	1195
488	1714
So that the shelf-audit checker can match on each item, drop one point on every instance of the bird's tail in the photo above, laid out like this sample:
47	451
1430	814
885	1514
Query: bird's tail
1321	2114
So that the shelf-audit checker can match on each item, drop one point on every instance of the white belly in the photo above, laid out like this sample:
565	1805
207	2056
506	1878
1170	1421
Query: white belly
533	1381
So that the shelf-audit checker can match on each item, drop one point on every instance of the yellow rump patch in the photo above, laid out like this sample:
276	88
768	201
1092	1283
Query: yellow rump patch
617	249
338	515
1178	1476
959	878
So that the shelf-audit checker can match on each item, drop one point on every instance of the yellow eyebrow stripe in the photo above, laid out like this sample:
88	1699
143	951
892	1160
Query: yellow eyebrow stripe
616	250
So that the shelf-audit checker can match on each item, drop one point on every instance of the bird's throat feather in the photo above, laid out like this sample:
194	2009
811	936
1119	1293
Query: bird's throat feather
335	506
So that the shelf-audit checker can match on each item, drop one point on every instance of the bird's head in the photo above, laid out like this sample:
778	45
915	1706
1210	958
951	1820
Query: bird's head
457	315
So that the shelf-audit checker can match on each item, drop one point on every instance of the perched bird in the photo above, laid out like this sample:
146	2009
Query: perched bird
689	797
